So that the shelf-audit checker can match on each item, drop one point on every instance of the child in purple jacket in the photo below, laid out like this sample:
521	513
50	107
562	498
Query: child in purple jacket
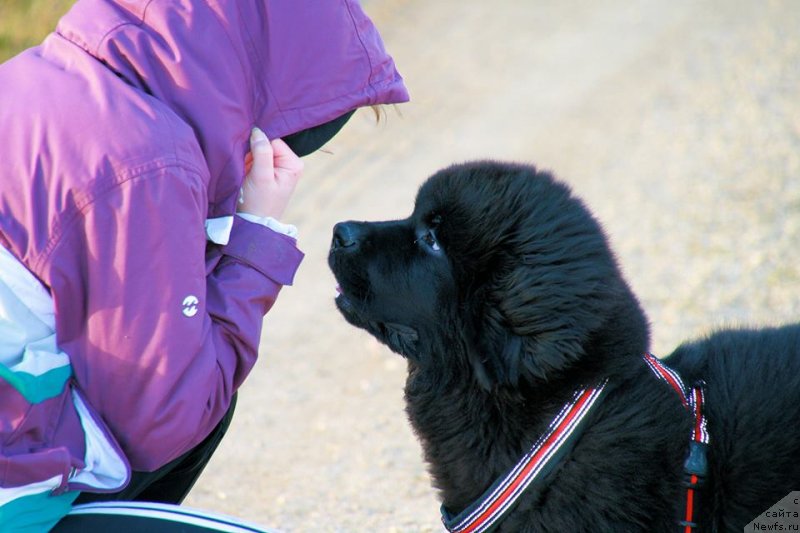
136	262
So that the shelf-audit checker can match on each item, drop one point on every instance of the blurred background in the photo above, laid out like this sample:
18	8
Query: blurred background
678	123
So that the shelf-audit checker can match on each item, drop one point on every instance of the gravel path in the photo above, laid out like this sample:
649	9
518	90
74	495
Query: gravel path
678	123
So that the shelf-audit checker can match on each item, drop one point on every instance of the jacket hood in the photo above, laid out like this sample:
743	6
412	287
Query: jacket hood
224	66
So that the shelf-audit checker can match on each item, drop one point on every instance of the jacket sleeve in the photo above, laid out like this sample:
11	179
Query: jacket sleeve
160	327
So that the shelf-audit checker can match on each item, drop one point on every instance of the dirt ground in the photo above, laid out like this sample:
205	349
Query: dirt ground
678	122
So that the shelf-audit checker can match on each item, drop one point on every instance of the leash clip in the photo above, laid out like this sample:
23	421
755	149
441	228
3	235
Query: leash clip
696	465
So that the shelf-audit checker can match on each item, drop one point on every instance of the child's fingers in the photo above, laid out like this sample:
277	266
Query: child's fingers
272	174
262	155
285	159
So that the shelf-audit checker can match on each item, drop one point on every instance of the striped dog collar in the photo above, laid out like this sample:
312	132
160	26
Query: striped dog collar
562	433
692	399
532	469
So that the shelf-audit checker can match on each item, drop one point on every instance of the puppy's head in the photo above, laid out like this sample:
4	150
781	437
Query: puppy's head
499	272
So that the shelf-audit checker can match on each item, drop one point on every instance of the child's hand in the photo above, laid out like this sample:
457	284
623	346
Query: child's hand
272	174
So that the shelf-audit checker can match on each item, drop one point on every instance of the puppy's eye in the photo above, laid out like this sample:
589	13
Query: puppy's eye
429	238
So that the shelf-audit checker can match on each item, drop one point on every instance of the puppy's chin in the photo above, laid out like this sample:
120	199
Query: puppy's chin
401	339
348	311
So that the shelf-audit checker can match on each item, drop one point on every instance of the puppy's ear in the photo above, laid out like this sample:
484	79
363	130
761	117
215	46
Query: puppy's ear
516	359
479	342
500	365
506	359
495	355
478	363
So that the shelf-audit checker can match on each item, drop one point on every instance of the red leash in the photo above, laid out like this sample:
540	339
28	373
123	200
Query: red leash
696	466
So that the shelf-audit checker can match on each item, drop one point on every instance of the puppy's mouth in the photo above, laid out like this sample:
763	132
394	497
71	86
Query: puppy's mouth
345	305
341	300
400	338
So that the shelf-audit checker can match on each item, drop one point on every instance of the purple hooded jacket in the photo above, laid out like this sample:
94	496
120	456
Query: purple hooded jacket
122	133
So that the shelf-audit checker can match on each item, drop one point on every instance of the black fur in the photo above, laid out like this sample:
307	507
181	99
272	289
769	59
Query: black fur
501	291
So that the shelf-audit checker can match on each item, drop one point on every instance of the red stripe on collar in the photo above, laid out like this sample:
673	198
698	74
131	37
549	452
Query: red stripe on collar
667	374
562	432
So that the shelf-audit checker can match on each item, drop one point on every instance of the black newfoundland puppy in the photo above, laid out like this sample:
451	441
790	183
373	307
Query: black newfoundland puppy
529	382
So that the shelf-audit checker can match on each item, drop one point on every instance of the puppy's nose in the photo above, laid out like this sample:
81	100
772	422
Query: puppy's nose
346	235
